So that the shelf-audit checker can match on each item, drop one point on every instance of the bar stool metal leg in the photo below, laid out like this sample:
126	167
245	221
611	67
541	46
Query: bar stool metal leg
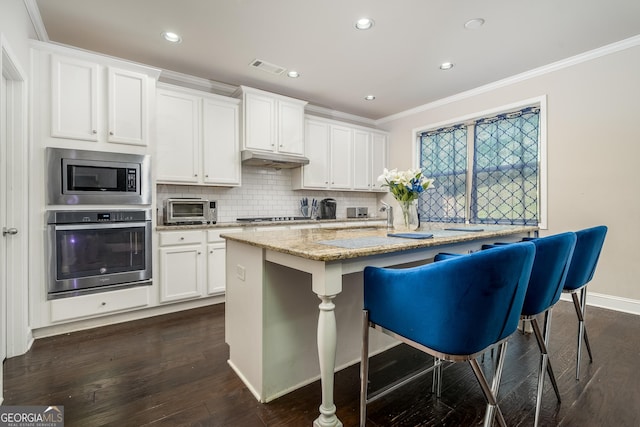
545	364
364	368
580	306
493	410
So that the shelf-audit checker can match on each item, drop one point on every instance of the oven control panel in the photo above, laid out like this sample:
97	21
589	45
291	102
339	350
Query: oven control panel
76	217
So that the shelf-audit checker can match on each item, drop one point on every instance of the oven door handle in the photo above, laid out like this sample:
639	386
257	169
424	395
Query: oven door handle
94	226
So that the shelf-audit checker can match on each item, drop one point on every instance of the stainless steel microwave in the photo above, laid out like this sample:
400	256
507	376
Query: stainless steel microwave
190	211
80	177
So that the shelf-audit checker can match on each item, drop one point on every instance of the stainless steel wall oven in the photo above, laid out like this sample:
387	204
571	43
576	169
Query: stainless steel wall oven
95	251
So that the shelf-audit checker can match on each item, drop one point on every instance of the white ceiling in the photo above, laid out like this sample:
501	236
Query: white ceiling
397	61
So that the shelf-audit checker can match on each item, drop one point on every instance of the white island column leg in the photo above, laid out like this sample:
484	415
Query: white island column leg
327	283
327	337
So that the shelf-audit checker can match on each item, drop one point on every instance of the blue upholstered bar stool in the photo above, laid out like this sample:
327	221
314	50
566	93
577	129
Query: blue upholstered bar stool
548	275
583	265
453	310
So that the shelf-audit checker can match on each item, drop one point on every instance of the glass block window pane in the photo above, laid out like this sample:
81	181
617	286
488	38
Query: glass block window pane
505	169
443	157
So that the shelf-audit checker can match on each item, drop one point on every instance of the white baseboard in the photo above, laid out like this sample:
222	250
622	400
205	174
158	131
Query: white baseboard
625	305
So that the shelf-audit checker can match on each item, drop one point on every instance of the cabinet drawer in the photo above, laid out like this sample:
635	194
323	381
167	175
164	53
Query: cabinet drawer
214	235
99	304
180	237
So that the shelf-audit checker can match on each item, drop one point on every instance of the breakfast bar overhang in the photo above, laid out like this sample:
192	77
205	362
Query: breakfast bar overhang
279	338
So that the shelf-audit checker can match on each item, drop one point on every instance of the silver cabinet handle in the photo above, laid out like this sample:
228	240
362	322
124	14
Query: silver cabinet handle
94	131
111	133
11	231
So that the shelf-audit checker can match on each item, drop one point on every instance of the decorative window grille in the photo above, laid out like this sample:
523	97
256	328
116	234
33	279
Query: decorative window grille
485	172
505	169
443	157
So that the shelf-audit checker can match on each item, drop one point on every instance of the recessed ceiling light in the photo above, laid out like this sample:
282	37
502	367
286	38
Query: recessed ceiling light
364	23
171	37
370	97
293	74
474	24
446	65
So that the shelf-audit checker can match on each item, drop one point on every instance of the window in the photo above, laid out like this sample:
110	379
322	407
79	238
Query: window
486	170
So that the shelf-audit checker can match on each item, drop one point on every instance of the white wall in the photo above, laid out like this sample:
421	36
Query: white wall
16	27
593	138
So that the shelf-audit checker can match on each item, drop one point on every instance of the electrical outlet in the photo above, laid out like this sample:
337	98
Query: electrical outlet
240	272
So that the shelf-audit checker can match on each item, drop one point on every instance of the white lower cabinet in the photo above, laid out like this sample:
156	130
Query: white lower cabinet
182	265
99	304
216	260
216	276
192	263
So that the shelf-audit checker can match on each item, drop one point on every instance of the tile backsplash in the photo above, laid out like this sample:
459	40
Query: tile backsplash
264	193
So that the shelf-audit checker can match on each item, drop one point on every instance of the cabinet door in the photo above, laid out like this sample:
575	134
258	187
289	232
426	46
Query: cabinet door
216	274
290	127
181	272
127	107
220	142
378	159
260	122
361	160
74	98
341	164
178	137
316	173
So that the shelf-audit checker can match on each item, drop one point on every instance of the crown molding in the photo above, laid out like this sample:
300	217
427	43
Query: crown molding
36	20
174	77
536	72
338	115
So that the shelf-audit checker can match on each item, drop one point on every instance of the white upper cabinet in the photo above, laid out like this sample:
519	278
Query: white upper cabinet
370	159
88	101
197	138
178	137
272	122
328	147
361	160
291	127
341	156
379	161
79	109
316	173
128	100
74	98
221	143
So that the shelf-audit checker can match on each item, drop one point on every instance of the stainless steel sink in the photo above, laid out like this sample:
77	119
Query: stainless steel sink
347	228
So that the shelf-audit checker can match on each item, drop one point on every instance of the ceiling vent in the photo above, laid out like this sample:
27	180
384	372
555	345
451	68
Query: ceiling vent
268	67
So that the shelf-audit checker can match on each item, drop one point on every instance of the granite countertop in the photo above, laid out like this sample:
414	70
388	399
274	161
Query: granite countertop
235	224
330	244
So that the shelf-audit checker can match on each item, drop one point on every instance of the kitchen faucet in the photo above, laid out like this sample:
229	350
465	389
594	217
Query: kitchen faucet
389	210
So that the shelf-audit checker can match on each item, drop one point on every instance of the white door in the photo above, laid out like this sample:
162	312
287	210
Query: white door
4	110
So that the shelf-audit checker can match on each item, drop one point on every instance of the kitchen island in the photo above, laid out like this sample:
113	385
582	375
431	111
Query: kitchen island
277	340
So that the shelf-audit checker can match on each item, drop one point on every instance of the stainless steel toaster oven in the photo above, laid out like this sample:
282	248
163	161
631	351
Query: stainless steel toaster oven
189	211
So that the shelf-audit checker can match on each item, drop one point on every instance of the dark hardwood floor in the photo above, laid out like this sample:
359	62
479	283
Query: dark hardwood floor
171	371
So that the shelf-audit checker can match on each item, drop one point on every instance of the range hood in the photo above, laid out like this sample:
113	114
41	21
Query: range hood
272	160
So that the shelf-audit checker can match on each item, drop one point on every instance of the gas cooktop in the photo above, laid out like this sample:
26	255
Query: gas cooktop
273	218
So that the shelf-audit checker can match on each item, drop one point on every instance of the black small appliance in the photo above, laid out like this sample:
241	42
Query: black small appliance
327	209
